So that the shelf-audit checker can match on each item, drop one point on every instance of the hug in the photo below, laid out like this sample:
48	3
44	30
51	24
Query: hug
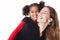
40	23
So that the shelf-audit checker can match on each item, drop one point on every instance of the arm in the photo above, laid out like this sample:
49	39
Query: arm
15	32
25	33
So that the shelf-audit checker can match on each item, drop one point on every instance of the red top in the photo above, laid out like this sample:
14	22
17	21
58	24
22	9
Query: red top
15	32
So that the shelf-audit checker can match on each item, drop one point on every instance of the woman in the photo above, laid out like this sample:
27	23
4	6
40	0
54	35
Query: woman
28	28
48	24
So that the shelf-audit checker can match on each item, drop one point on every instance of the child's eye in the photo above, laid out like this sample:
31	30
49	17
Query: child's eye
32	12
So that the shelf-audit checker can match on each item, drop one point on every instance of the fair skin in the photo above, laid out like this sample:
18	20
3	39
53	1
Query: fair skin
43	19
33	12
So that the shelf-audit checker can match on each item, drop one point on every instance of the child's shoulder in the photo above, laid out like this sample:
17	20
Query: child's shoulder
26	19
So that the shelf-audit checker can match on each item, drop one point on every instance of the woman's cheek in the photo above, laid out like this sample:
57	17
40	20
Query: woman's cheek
41	18
38	19
45	18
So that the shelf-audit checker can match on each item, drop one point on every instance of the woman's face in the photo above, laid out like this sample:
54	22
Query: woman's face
44	15
33	12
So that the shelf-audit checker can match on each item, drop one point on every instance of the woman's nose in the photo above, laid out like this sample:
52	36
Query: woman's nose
40	15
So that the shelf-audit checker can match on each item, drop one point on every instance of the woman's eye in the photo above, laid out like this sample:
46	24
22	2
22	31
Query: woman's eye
44	12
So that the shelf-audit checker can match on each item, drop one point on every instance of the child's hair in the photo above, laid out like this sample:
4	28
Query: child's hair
26	8
41	5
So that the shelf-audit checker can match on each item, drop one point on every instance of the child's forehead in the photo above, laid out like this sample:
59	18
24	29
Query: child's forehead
33	8
32	5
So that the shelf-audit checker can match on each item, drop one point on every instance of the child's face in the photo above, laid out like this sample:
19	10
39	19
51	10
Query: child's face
33	12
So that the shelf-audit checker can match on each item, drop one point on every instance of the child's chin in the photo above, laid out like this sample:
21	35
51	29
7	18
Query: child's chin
35	19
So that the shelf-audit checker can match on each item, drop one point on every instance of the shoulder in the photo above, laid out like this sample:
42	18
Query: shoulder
27	26
26	19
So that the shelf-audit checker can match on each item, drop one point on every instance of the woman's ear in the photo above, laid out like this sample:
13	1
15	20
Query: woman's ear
50	20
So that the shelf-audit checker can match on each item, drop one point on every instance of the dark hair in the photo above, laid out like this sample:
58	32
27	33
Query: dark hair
41	5
27	7
34	4
25	10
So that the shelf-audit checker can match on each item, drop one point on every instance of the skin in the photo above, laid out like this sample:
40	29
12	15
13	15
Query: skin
33	12
43	19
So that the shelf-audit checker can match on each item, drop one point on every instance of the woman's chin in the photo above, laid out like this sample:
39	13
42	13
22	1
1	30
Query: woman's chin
41	21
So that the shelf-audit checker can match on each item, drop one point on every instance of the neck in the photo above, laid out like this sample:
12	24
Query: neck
41	34
35	21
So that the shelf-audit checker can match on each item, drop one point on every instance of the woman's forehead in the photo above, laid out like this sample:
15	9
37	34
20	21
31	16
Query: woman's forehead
45	9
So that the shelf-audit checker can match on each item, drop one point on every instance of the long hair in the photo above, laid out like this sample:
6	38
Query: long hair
52	30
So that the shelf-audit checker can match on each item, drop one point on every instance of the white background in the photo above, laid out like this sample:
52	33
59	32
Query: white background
11	14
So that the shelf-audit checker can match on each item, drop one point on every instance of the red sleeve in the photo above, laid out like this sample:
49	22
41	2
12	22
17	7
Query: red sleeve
15	32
